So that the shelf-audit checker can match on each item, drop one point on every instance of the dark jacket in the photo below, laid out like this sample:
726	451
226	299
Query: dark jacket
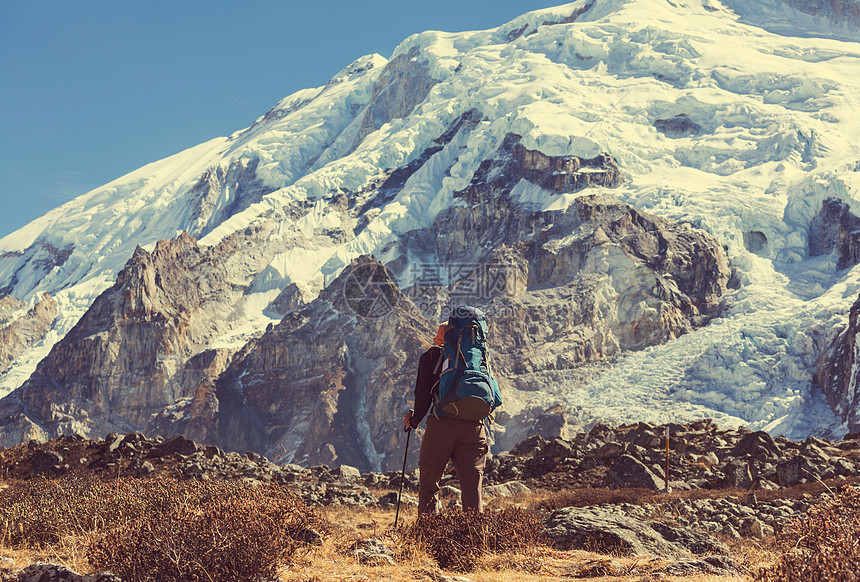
429	367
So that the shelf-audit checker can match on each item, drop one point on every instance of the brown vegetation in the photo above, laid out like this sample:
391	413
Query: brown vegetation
822	545
167	529
456	539
162	529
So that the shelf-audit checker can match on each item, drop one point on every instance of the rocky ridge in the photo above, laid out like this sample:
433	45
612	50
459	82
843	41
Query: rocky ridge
736	483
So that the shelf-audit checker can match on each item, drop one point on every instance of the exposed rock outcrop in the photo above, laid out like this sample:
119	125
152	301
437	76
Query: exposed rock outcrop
21	329
835	228
238	184
837	372
838	11
608	277
32	264
678	126
404	83
608	532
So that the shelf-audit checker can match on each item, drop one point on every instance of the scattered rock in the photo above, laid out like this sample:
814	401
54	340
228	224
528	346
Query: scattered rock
40	572
373	552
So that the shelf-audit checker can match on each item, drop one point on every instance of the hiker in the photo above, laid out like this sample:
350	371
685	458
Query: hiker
455	384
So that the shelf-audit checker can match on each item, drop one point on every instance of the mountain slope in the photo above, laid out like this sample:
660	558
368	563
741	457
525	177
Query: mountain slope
471	149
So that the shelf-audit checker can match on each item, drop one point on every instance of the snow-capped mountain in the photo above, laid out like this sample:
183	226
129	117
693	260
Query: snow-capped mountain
650	175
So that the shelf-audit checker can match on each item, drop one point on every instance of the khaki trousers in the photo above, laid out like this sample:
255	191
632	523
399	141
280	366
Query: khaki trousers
465	444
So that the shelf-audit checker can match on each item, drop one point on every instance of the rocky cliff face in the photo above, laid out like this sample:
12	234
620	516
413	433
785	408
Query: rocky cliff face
140	349
837	373
608	277
327	384
238	185
403	84
619	280
593	281
836	10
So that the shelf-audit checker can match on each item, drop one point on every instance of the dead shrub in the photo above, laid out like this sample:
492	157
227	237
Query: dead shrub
457	539
163	529
821	545
42	511
223	530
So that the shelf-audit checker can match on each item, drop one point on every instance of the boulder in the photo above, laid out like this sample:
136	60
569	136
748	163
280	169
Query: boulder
347	472
599	530
627	471
44	462
509	489
529	447
758	445
796	470
738	475
176	444
556	449
752	527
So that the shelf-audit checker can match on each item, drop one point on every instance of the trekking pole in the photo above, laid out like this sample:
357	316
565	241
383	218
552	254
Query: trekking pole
408	430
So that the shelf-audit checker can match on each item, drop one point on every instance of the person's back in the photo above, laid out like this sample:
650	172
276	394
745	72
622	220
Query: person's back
448	437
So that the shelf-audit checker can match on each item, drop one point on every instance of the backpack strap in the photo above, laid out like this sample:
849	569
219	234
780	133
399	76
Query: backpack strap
434	390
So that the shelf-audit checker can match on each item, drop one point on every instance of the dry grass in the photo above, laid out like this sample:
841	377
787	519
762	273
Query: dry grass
334	559
822	545
161	530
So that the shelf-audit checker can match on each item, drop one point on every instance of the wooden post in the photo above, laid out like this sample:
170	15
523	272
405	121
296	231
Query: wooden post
667	458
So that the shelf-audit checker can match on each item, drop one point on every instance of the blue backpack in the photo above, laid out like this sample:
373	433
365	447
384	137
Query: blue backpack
467	388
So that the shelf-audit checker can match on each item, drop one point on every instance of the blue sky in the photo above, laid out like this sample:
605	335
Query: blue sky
92	90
